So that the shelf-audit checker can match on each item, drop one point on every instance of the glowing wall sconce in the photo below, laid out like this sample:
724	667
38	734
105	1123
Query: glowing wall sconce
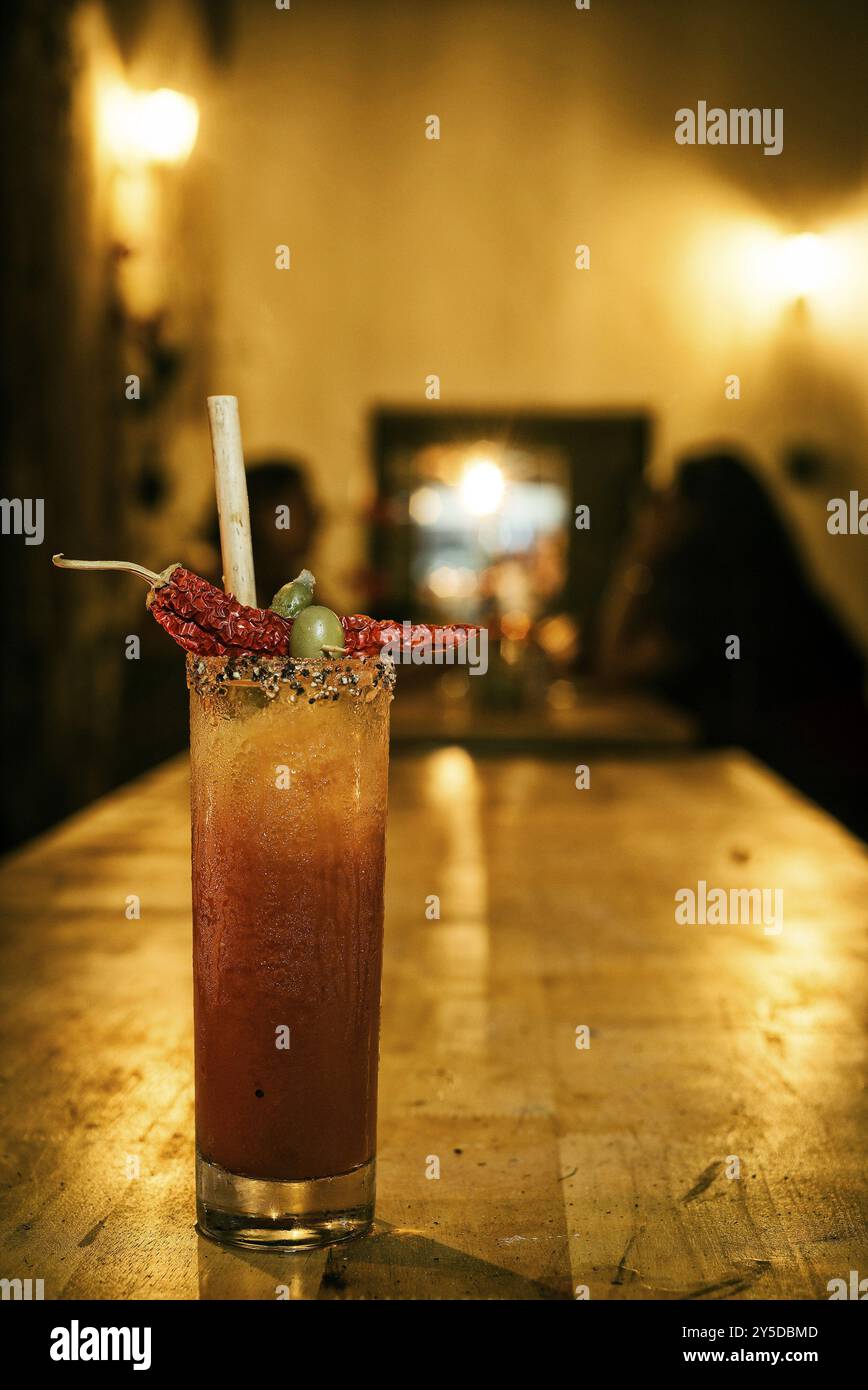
140	134
157	127
803	265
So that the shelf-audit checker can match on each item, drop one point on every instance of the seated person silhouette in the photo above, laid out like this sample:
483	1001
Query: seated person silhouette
709	560
284	525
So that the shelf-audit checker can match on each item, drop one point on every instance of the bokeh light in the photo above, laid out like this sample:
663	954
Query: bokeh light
482	487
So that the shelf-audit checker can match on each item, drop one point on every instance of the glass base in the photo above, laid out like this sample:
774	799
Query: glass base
262	1214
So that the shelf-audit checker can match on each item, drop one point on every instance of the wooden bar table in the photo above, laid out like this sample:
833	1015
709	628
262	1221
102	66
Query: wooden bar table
708	1142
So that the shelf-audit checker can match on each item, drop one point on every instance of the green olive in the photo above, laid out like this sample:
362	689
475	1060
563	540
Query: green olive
294	596
313	629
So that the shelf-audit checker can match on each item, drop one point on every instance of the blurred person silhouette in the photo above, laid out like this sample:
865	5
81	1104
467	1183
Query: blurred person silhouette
709	559
278	491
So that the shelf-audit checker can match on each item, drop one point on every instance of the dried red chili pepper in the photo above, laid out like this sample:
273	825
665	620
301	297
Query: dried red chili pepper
200	617
203	619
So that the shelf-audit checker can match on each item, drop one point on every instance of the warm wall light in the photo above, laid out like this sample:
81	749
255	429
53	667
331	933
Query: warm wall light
744	272
803	265
166	125
149	127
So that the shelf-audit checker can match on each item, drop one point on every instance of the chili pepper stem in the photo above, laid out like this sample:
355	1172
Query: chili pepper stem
336	651
154	579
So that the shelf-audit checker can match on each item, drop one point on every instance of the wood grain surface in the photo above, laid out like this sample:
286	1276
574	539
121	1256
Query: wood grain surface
608	1168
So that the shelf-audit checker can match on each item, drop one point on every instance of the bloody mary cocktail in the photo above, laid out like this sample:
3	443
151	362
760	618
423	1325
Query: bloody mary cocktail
289	789
289	720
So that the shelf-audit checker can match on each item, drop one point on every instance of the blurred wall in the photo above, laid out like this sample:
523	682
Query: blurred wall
412	257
